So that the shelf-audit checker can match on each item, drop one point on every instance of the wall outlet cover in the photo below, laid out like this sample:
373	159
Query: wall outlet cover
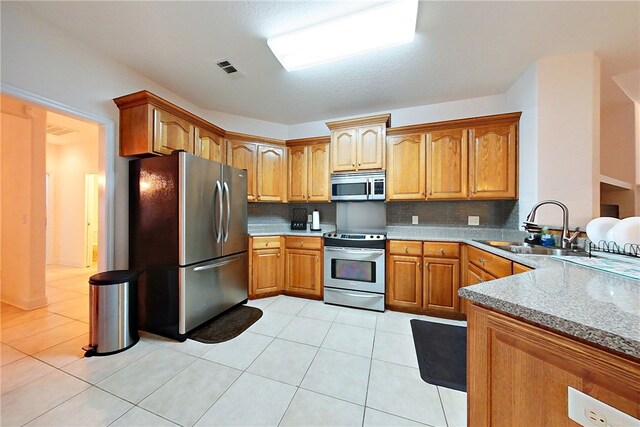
588	411
474	220
414	219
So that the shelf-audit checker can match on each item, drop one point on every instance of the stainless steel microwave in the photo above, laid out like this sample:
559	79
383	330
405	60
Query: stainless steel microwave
358	186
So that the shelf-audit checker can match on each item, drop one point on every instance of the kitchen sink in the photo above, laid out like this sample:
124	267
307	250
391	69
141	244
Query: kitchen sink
528	249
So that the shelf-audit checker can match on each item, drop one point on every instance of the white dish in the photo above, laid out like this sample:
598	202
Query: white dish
597	228
625	231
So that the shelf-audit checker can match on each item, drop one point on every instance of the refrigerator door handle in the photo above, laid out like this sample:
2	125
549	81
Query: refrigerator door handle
218	229
218	264
227	196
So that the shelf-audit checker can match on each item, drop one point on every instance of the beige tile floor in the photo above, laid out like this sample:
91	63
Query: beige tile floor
302	363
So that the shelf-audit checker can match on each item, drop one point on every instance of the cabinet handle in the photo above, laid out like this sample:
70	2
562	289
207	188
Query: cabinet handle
267	244
278	254
442	251
426	264
359	163
481	260
353	163
406	250
301	243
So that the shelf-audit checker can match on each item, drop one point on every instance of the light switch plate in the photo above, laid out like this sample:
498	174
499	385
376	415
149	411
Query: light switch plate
474	220
588	411
414	219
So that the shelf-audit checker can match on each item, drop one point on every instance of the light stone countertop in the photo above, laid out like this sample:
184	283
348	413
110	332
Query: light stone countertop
594	306
285	230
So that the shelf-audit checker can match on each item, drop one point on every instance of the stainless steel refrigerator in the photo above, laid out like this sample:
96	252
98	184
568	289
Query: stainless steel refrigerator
188	236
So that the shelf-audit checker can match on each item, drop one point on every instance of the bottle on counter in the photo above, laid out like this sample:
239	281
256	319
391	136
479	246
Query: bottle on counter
546	239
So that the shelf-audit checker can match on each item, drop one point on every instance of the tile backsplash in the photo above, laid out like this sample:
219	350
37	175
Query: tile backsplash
493	213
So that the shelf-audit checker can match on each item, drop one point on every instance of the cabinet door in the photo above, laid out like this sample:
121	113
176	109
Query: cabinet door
298	174
518	372
493	162
406	167
371	153
209	145
266	271
243	155
271	174
318	173
404	281
171	133
304	272
474	276
447	164
441	283
343	149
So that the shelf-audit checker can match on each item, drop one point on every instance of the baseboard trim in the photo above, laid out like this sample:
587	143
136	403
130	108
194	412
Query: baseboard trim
25	304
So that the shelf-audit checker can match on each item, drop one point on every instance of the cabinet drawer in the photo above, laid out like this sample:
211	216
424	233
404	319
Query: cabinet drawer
492	264
266	242
519	268
441	249
294	242
405	247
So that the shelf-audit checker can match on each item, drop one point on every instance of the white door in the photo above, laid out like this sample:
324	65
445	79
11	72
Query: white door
91	216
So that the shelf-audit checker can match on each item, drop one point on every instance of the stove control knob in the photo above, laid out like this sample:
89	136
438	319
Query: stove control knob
377	237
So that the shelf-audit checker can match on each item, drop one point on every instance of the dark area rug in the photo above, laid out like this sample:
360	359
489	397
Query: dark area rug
442	353
228	325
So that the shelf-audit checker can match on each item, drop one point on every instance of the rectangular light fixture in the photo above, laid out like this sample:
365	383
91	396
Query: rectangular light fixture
390	24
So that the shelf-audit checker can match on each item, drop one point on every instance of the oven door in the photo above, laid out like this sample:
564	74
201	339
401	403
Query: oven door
357	269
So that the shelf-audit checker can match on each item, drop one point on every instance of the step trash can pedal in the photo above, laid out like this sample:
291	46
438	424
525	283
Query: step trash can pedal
113	312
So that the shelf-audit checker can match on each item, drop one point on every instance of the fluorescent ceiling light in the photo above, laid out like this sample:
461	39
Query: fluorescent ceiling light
378	28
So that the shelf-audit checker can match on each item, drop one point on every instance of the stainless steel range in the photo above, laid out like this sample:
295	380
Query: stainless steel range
354	259
354	270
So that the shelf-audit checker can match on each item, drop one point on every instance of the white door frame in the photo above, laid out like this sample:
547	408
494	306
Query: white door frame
106	165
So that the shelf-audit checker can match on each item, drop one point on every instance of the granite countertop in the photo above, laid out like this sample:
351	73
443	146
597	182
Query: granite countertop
285	230
597	307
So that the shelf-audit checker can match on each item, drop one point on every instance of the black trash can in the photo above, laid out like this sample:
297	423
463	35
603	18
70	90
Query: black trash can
113	312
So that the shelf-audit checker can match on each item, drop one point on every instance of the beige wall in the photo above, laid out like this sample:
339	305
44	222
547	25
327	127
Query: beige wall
617	135
568	131
23	204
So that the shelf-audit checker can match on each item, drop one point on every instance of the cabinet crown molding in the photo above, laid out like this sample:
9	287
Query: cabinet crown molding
145	97
316	140
236	136
361	121
457	123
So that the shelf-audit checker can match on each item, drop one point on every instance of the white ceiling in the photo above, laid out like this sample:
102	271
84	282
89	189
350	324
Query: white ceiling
462	50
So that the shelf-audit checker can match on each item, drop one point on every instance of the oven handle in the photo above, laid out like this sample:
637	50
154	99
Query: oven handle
362	251
356	295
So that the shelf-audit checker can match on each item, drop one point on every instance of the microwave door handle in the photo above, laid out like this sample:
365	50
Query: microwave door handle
369	195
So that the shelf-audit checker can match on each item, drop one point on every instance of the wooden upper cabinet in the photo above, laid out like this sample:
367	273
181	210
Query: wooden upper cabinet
209	145
344	150
298	169
309	173
318	173
271	176
447	164
150	125
243	155
171	133
359	144
370	143
406	167
493	162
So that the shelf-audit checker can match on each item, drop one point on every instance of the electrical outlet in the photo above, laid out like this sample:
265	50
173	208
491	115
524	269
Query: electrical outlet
414	219
309	218
587	411
474	220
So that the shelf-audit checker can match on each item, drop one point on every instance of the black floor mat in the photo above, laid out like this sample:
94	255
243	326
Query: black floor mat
442	353
227	326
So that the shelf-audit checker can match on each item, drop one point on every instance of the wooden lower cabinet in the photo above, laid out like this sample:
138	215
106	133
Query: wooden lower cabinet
519	374
441	282
404	281
304	272
266	271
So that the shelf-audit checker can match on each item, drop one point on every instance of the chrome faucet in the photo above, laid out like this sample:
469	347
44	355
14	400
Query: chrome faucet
566	239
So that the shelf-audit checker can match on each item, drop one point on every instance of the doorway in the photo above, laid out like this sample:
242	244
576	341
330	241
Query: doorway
91	186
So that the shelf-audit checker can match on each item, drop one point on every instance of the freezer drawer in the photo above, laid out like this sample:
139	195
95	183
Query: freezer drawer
357	299
209	288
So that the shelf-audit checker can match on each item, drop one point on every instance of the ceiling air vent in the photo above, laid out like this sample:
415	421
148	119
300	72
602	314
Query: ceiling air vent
59	130
227	67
